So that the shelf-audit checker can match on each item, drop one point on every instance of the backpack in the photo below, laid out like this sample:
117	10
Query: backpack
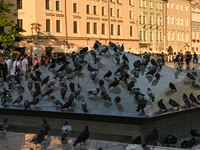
177	56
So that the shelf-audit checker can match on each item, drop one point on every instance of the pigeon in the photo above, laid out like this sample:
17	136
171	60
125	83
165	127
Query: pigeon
84	50
141	106
6	93
90	68
52	82
151	137
18	100
65	131
60	76
151	72
83	136
189	75
93	92
97	59
94	75
34	78
63	92
111	44
92	52
48	92
97	44
37	87
4	125
151	94
69	102
73	55
103	51
45	81
121	48
139	96
194	72
36	93
78	91
63	84
136	73
188	144
26	104
105	96
10	84
16	78
186	100
120	69
195	84
101	83
157	75
108	74
117	99
38	74
55	101
172	86
36	67
193	99
136	64
171	139
84	106
45	126
4	100
30	86
173	103
52	66
161	105
137	140
61	68
19	87
39	137
131	85
114	83
35	101
194	133
71	86
154	63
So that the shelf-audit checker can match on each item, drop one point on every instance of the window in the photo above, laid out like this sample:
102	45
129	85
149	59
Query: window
160	36
144	35
168	5
187	37
74	7
103	11
172	6
172	36
186	7
112	29
144	3
118	30
186	22
131	31
88	27
177	7
193	35
182	38
95	28
156	20
172	20
167	20
111	12
168	36
103	28
118	13
57	5
140	3
118	1
131	14
197	35
196	49
181	7
177	21
19	4
161	21
178	37
151	36
161	6
151	20
58	26
130	2
156	36
47	25
140	19
181	21
144	19
94	10
75	27
151	5
20	23
140	35
157	5
87	9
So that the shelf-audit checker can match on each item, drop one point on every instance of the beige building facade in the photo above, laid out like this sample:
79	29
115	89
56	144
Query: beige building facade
177	25
75	22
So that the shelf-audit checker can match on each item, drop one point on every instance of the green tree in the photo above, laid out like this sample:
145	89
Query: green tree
6	39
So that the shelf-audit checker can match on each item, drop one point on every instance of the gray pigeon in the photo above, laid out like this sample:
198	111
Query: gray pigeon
195	84
63	92
193	99
161	105
84	106
93	92
30	86
18	100
65	131
151	94
56	101
52	82
141	106
78	91
186	100
48	92
194	72
173	103
105	96
4	125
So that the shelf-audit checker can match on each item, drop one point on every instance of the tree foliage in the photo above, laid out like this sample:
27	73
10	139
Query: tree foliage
6	39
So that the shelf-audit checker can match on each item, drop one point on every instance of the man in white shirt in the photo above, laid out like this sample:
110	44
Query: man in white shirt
25	63
7	61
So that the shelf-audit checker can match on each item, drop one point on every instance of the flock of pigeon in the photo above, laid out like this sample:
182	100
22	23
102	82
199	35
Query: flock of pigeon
39	137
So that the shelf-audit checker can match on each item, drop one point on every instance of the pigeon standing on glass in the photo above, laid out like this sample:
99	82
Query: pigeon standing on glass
131	85
61	68
114	83
84	106
173	103
63	84
36	93
151	94
141	106
101	83
35	101
37	87
151	72
26	104
161	105
157	75
52	82
34	78
56	101
6	93
193	99
38	74
18	100
48	92
186	100
93	92
189	75
194	84
172	86
117	99
63	93
45	81
65	131
71	86
117	58
78	91
105	96
125	58
69	102
108	74
52	66
39	137
30	86
103	51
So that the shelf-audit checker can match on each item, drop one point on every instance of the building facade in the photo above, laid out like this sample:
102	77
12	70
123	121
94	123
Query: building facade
150	24
75	22
177	29
195	10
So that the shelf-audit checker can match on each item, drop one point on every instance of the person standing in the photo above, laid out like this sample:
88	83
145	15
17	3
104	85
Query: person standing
4	68
195	58
14	64
174	56
42	59
25	63
7	60
187	59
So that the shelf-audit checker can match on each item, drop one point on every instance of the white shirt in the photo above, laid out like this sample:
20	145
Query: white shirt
7	62
175	56
24	63
12	70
